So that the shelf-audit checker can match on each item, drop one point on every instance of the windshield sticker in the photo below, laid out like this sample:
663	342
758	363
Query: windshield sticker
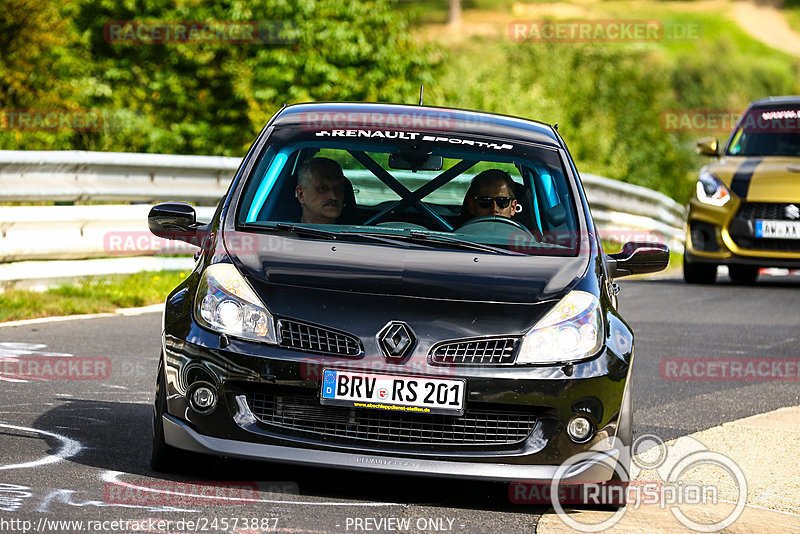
771	121
368	133
467	142
388	134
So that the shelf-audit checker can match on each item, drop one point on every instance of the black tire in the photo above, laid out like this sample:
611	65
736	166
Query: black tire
745	275
699	273
163	458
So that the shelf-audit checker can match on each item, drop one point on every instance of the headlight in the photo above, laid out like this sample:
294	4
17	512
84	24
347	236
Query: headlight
572	330
710	190
227	304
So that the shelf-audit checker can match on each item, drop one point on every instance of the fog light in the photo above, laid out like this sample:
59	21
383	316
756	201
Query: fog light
580	429
203	398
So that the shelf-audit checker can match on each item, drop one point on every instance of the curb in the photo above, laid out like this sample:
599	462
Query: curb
57	319
764	447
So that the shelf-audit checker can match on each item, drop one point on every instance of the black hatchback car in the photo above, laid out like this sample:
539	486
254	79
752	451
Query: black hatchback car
399	288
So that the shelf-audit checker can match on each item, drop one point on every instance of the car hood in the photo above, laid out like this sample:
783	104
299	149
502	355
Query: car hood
441	294
429	273
760	179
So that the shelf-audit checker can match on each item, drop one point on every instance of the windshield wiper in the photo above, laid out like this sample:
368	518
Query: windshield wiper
329	234
470	245
396	239
377	237
305	230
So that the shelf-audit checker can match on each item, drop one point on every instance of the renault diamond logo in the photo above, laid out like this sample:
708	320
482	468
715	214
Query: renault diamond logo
792	211
396	340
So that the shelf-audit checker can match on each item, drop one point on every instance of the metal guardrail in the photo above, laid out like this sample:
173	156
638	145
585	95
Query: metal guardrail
650	216
71	176
623	212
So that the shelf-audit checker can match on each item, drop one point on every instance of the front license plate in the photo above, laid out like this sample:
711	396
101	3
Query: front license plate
402	394
778	229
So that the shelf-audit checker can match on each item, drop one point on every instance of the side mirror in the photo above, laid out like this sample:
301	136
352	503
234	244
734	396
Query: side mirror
708	146
639	258
174	220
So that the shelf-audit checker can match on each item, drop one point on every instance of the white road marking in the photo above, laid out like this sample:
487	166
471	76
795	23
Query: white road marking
10	351
69	447
64	496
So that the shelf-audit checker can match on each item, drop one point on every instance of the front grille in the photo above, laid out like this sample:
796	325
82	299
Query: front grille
749	213
476	352
310	338
774	211
304	414
769	245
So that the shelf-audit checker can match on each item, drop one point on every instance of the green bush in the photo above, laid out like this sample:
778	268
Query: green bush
212	98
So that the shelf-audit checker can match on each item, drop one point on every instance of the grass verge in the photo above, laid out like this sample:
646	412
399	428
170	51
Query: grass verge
94	295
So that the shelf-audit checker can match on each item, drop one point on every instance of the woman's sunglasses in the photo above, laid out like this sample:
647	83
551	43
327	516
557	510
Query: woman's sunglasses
487	202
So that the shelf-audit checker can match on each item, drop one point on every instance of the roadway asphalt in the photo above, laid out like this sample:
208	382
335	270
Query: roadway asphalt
67	445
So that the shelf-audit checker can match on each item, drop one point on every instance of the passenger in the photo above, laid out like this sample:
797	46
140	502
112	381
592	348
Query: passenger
320	190
491	193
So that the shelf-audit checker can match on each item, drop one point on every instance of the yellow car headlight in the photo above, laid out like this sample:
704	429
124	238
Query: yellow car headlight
711	190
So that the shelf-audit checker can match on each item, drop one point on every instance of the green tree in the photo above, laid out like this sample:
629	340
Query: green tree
211	98
36	68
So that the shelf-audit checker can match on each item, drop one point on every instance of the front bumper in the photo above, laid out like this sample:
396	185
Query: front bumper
181	435
545	397
715	235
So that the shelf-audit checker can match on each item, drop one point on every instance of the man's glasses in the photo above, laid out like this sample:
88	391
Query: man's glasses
487	202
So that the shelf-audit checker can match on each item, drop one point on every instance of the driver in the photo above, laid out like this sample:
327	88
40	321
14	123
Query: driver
491	193
320	190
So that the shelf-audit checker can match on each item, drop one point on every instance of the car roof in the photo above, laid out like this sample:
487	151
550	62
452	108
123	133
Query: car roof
775	100
346	115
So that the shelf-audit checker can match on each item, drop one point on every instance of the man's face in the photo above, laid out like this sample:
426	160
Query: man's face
482	207
322	199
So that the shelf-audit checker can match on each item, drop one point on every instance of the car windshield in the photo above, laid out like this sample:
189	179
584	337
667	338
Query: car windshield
768	132
489	195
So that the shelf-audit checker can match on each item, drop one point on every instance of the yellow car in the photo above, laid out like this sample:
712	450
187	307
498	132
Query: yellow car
746	211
